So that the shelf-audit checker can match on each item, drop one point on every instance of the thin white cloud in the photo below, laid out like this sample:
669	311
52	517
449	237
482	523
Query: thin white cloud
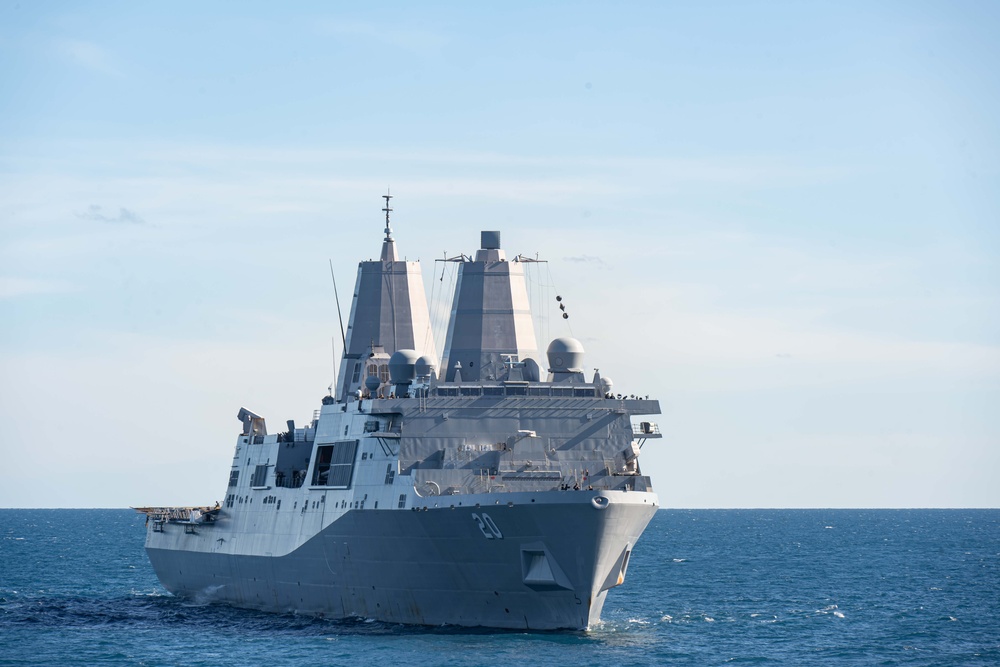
11	287
733	170
587	259
124	215
88	55
724	338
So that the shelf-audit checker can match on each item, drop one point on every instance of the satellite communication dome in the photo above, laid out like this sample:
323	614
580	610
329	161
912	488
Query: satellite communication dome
606	385
565	355
402	366
426	365
372	383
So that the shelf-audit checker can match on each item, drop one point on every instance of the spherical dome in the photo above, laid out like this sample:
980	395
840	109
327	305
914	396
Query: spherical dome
372	383
565	355
402	366
606	384
426	365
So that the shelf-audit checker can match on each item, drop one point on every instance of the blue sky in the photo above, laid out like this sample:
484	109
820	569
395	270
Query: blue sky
780	219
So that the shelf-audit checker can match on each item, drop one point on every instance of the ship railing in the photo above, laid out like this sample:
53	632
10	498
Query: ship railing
293	481
646	430
163	515
483	482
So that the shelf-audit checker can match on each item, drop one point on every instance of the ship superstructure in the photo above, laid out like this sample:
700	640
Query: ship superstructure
493	490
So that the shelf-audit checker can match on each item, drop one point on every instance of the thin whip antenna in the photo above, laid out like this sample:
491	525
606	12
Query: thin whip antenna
339	316
333	344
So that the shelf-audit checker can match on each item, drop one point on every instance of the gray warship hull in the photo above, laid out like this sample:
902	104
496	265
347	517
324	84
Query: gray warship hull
481	495
550	565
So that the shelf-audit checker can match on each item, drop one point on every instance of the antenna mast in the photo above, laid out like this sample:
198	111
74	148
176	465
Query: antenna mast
339	316
388	229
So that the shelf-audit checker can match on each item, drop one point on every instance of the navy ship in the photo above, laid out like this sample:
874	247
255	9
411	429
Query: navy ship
498	488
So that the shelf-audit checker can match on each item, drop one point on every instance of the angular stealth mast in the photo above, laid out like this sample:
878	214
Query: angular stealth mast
490	333
506	501
388	313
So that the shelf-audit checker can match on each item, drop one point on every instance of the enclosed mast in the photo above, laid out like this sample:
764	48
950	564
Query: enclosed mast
490	331
389	311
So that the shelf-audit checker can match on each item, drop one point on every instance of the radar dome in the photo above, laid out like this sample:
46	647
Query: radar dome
565	355
606	385
372	383
402	366
426	365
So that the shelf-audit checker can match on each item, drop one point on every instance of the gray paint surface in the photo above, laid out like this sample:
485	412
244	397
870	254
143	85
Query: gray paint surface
427	567
498	500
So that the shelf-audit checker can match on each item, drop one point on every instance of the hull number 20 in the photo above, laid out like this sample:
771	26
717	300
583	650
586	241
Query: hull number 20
487	526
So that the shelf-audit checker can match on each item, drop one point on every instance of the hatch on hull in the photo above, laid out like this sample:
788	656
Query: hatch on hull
539	567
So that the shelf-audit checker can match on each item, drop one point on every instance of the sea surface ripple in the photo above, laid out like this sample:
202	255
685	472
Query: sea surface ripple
704	587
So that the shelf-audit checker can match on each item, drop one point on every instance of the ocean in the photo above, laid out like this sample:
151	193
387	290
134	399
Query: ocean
704	587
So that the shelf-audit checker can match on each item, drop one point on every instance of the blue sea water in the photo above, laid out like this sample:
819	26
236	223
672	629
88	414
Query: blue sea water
704	587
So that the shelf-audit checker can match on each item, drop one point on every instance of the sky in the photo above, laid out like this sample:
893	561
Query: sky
780	219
